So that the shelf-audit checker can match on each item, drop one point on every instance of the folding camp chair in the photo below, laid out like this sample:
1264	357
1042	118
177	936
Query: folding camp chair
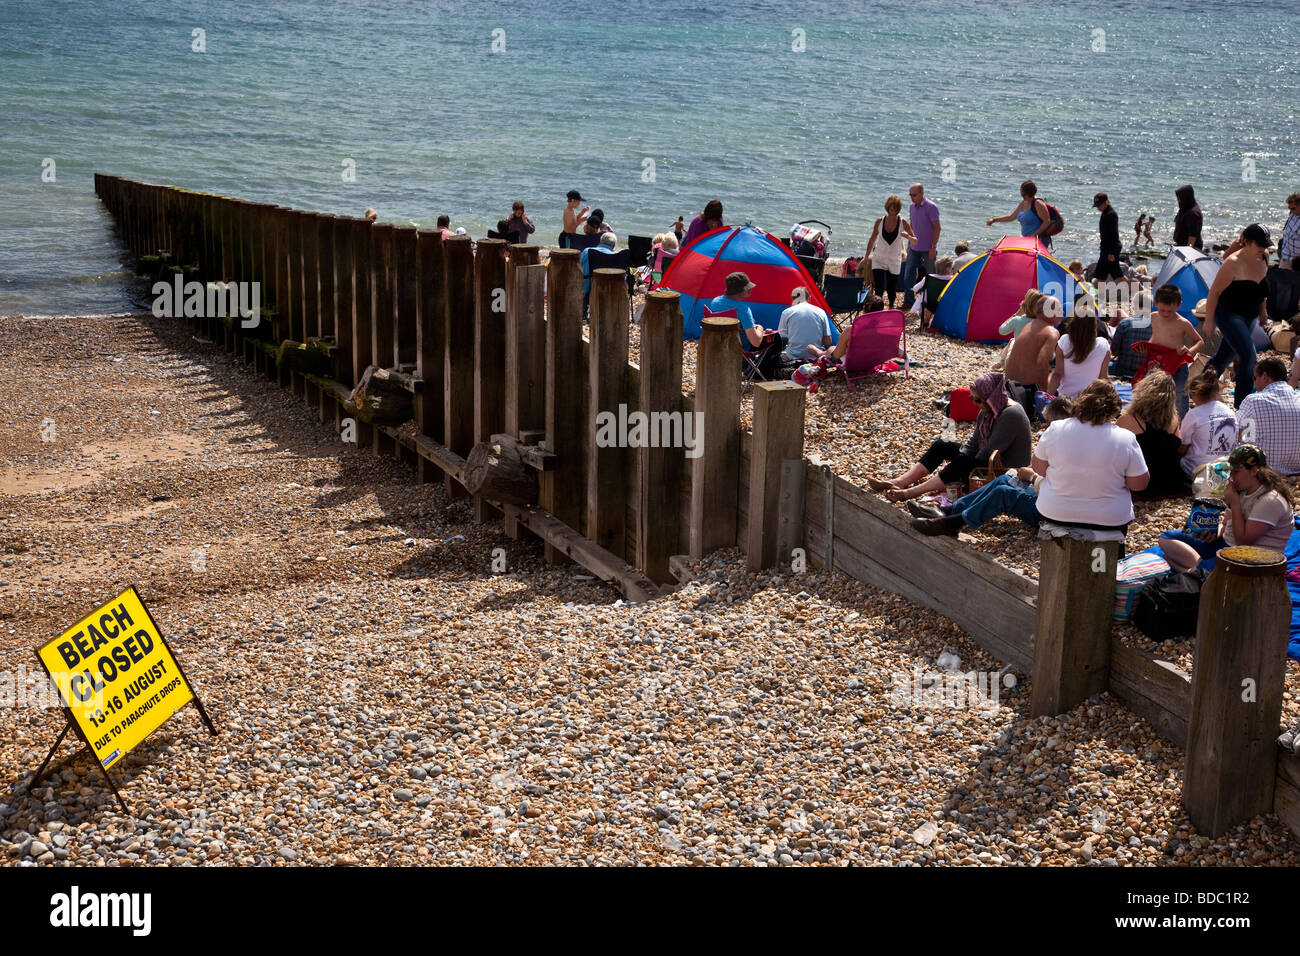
874	339
814	266
657	278
638	248
583	241
759	364
763	364
843	295
607	260
507	236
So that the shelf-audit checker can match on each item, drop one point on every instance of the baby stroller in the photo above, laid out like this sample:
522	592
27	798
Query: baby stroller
811	238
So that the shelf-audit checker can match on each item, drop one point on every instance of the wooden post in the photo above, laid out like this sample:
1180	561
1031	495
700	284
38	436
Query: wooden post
329	409
296	320
778	436
715	474
1076	602
525	348
1237	683
431	343
659	469
286	303
458	368
363	313
266	229
561	490
607	464
526	404
311	327
407	291
489	350
344	299
384	328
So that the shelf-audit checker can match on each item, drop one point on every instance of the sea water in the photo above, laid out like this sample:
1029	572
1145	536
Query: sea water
784	111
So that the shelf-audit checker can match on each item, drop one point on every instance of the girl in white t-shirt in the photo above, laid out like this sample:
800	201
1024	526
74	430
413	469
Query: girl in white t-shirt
1260	511
1081	358
1209	430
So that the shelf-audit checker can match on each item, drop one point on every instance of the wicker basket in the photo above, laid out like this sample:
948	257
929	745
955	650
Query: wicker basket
982	476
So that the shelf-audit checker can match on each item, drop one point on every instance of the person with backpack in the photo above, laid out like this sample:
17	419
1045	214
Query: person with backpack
1260	509
1036	217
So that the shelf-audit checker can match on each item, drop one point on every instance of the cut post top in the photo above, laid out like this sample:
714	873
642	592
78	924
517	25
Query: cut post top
1251	561
723	323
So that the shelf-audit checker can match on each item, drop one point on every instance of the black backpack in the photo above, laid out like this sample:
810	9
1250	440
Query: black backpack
1167	607
1056	223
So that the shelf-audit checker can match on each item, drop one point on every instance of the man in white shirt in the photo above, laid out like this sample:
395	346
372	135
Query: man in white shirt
802	325
1270	417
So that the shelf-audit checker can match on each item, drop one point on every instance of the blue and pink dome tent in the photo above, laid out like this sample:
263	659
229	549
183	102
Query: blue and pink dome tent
988	290
700	271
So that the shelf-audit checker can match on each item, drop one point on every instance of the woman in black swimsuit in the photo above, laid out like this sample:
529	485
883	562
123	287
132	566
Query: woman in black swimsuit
1235	299
1152	416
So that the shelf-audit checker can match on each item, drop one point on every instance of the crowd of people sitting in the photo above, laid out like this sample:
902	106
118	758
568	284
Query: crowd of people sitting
1098	453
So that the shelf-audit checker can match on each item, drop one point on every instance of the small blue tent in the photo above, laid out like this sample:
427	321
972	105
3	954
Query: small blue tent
1192	272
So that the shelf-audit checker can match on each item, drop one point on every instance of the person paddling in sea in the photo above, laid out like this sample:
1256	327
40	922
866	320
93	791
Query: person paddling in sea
573	217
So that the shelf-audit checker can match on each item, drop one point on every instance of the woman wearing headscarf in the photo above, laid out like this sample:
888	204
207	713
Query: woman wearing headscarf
1001	426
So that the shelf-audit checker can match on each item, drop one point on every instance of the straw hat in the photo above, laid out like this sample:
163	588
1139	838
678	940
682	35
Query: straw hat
1199	311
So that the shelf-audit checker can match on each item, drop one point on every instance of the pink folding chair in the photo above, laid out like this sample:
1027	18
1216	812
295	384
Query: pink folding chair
874	339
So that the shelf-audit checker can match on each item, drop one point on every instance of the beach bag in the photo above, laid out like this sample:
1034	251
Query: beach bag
1209	479
960	406
1204	516
1167	607
1054	217
1132	575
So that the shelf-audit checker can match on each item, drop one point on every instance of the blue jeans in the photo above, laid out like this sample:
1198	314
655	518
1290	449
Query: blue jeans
1180	383
1236	341
998	497
918	264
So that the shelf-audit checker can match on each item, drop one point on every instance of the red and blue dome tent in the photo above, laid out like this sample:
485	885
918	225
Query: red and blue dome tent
988	290
700	271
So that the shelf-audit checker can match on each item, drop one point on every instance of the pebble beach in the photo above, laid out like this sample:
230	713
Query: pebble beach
382	697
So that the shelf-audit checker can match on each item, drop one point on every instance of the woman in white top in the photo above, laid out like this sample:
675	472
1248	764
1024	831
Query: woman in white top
1082	356
1209	430
1090	465
885	250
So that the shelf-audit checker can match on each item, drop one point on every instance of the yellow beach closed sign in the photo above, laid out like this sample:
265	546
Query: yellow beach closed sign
116	675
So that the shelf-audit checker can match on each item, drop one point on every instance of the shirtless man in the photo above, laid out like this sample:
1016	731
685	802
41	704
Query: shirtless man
1171	331
573	216
1146	232
1028	367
